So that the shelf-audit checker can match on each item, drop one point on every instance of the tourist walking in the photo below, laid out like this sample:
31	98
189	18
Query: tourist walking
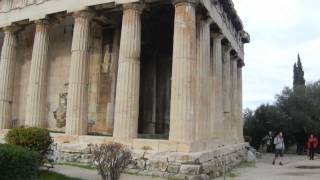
312	146
279	148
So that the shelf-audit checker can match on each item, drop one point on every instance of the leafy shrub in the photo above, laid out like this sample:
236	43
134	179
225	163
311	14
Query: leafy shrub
111	159
35	139
18	163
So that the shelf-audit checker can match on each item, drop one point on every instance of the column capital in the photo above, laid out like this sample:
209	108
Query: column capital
44	21
180	2
205	18
217	36
135	6
234	57
240	63
11	28
84	14
227	48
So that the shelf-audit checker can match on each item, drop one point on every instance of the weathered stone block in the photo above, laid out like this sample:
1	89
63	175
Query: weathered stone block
141	163
208	167
157	165
190	169
199	177
173	168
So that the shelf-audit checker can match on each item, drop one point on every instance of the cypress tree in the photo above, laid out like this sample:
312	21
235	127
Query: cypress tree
295	74
298	75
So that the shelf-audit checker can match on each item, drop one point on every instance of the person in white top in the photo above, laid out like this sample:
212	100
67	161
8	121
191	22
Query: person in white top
279	148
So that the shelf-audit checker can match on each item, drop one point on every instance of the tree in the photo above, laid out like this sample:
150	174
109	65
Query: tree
265	118
299	82
296	112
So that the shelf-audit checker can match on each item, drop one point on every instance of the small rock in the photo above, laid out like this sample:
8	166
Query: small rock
251	157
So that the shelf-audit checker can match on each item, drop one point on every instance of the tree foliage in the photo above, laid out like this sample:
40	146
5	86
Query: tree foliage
298	73
296	112
299	83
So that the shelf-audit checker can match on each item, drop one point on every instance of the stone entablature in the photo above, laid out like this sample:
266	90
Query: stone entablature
222	12
10	5
232	31
38	9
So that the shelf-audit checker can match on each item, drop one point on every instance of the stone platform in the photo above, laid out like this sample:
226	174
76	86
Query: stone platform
160	158
156	157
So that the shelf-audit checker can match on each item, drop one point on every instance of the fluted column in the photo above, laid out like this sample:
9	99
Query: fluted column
226	84
218	87
240	117
182	109
226	79
203	123
234	100
77	106
7	66
36	96
113	73
8	5
127	92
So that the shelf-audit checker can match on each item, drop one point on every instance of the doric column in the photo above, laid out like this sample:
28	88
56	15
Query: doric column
77	106
36	97
218	87
7	66
127	95
226	79
239	76
113	74
226	84
234	100
182	108
203	124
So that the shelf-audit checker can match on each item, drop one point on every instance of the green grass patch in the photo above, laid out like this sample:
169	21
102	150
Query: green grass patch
245	164
47	175
232	174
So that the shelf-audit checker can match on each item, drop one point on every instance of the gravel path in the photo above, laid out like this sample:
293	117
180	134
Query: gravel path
264	170
87	174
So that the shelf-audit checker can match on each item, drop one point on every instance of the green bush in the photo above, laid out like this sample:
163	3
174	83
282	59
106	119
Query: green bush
18	163
34	139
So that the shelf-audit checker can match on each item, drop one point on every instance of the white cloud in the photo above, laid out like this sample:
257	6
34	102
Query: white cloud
279	30
281	14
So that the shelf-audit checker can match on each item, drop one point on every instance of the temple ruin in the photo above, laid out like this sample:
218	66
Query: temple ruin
161	74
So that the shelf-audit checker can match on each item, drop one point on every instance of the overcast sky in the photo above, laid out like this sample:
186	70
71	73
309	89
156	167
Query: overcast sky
279	29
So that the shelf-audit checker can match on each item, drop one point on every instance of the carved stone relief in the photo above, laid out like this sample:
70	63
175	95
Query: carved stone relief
60	113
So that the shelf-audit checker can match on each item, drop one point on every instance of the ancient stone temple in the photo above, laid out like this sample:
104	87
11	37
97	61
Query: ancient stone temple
163	77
